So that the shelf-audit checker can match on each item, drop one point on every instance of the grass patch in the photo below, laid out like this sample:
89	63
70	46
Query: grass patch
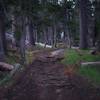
92	72
73	56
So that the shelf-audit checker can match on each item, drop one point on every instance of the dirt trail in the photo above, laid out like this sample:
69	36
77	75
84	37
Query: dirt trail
44	79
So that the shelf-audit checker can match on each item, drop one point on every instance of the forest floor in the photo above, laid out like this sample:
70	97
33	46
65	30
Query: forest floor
45	79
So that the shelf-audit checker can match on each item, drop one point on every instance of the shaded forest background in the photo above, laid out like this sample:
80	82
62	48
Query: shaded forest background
71	23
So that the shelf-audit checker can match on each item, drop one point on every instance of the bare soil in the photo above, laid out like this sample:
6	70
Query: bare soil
45	79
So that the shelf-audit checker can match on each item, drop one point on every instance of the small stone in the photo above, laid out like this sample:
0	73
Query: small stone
58	90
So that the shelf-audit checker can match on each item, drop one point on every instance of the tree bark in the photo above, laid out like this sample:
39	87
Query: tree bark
45	36
67	37
2	18
55	35
2	51
97	23
22	48
31	33
50	32
36	35
22	41
14	23
83	24
66	26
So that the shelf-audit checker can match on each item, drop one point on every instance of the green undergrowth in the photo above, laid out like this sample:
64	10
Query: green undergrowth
91	72
74	56
71	57
6	76
12	59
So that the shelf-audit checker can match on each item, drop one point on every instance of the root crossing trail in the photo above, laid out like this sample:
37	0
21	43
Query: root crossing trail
44	79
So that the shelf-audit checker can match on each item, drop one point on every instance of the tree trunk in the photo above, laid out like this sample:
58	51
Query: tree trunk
97	23
31	31
55	35
22	48
22	42
50	32
2	18
2	52
67	38
66	26
36	35
14	22
45	36
31	34
83	24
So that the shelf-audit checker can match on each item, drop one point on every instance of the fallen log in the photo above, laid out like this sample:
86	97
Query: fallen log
6	67
90	63
57	52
